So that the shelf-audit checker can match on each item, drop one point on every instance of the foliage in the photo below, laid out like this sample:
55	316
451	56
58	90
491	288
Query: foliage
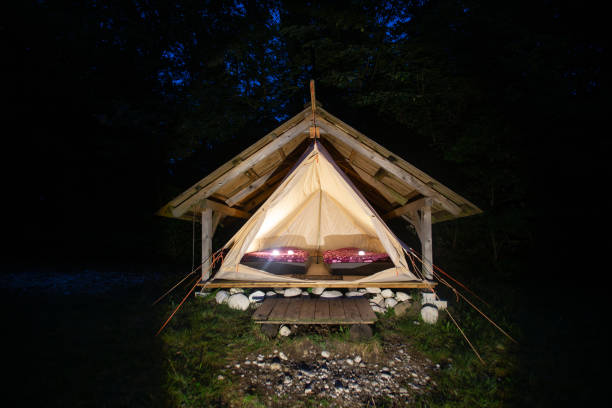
133	99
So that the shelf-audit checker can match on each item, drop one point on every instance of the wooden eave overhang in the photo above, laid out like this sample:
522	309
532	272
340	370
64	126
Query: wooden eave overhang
391	184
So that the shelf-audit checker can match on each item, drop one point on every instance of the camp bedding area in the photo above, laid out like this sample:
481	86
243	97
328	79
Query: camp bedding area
317	194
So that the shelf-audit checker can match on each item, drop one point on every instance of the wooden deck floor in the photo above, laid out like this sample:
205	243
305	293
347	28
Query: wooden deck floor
315	311
221	283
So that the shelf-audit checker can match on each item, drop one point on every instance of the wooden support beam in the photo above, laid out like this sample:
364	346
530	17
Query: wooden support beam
221	283
388	165
248	190
390	194
413	219
407	209
380	173
241	167
250	173
377	198
223	209
217	217
426	239
207	233
263	193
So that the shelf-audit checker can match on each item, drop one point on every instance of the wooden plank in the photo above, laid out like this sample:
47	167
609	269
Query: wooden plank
307	311
223	209
233	185
315	311
222	283
365	310
317	277
238	158
291	146
267	164
322	310
336	310
364	163
240	168
293	310
408	208
426	242
469	209
351	311
248	190
264	310
372	195
388	165
279	310
391	195
217	217
207	233
262	194
396	184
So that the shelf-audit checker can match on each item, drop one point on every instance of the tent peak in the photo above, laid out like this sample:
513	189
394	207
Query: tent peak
318	104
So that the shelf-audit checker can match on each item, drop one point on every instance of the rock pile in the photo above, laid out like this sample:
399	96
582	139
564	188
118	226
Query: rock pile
380	299
351	380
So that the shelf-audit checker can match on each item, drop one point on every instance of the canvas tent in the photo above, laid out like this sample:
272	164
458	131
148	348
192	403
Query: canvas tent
274	186
316	208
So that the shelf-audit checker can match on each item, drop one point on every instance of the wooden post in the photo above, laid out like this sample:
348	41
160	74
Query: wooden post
207	223
426	239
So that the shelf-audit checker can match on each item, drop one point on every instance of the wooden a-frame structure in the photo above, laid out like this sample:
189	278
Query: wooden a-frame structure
394	187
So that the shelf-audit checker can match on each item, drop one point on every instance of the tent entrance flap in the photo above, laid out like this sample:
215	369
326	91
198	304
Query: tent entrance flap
315	209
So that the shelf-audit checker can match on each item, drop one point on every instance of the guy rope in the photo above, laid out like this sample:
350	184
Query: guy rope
216	256
412	254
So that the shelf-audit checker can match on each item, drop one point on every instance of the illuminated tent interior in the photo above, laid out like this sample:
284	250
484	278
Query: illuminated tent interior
314	204
316	209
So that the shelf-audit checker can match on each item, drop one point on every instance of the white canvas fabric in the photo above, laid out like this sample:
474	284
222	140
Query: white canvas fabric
315	208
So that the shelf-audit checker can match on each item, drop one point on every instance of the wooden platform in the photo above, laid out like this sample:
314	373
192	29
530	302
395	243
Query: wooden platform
221	283
300	310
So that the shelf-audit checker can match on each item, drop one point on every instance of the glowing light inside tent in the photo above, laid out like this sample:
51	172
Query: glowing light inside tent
283	254
361	253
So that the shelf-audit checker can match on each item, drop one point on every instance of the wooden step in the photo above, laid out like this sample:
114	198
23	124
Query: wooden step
299	310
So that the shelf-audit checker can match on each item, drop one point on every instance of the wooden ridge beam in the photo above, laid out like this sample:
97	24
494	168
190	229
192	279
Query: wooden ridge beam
239	168
389	166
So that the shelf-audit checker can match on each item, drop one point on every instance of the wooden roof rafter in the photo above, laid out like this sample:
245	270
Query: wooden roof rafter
390	183
294	128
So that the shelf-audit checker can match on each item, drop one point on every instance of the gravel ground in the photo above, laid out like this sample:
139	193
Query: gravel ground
347	379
